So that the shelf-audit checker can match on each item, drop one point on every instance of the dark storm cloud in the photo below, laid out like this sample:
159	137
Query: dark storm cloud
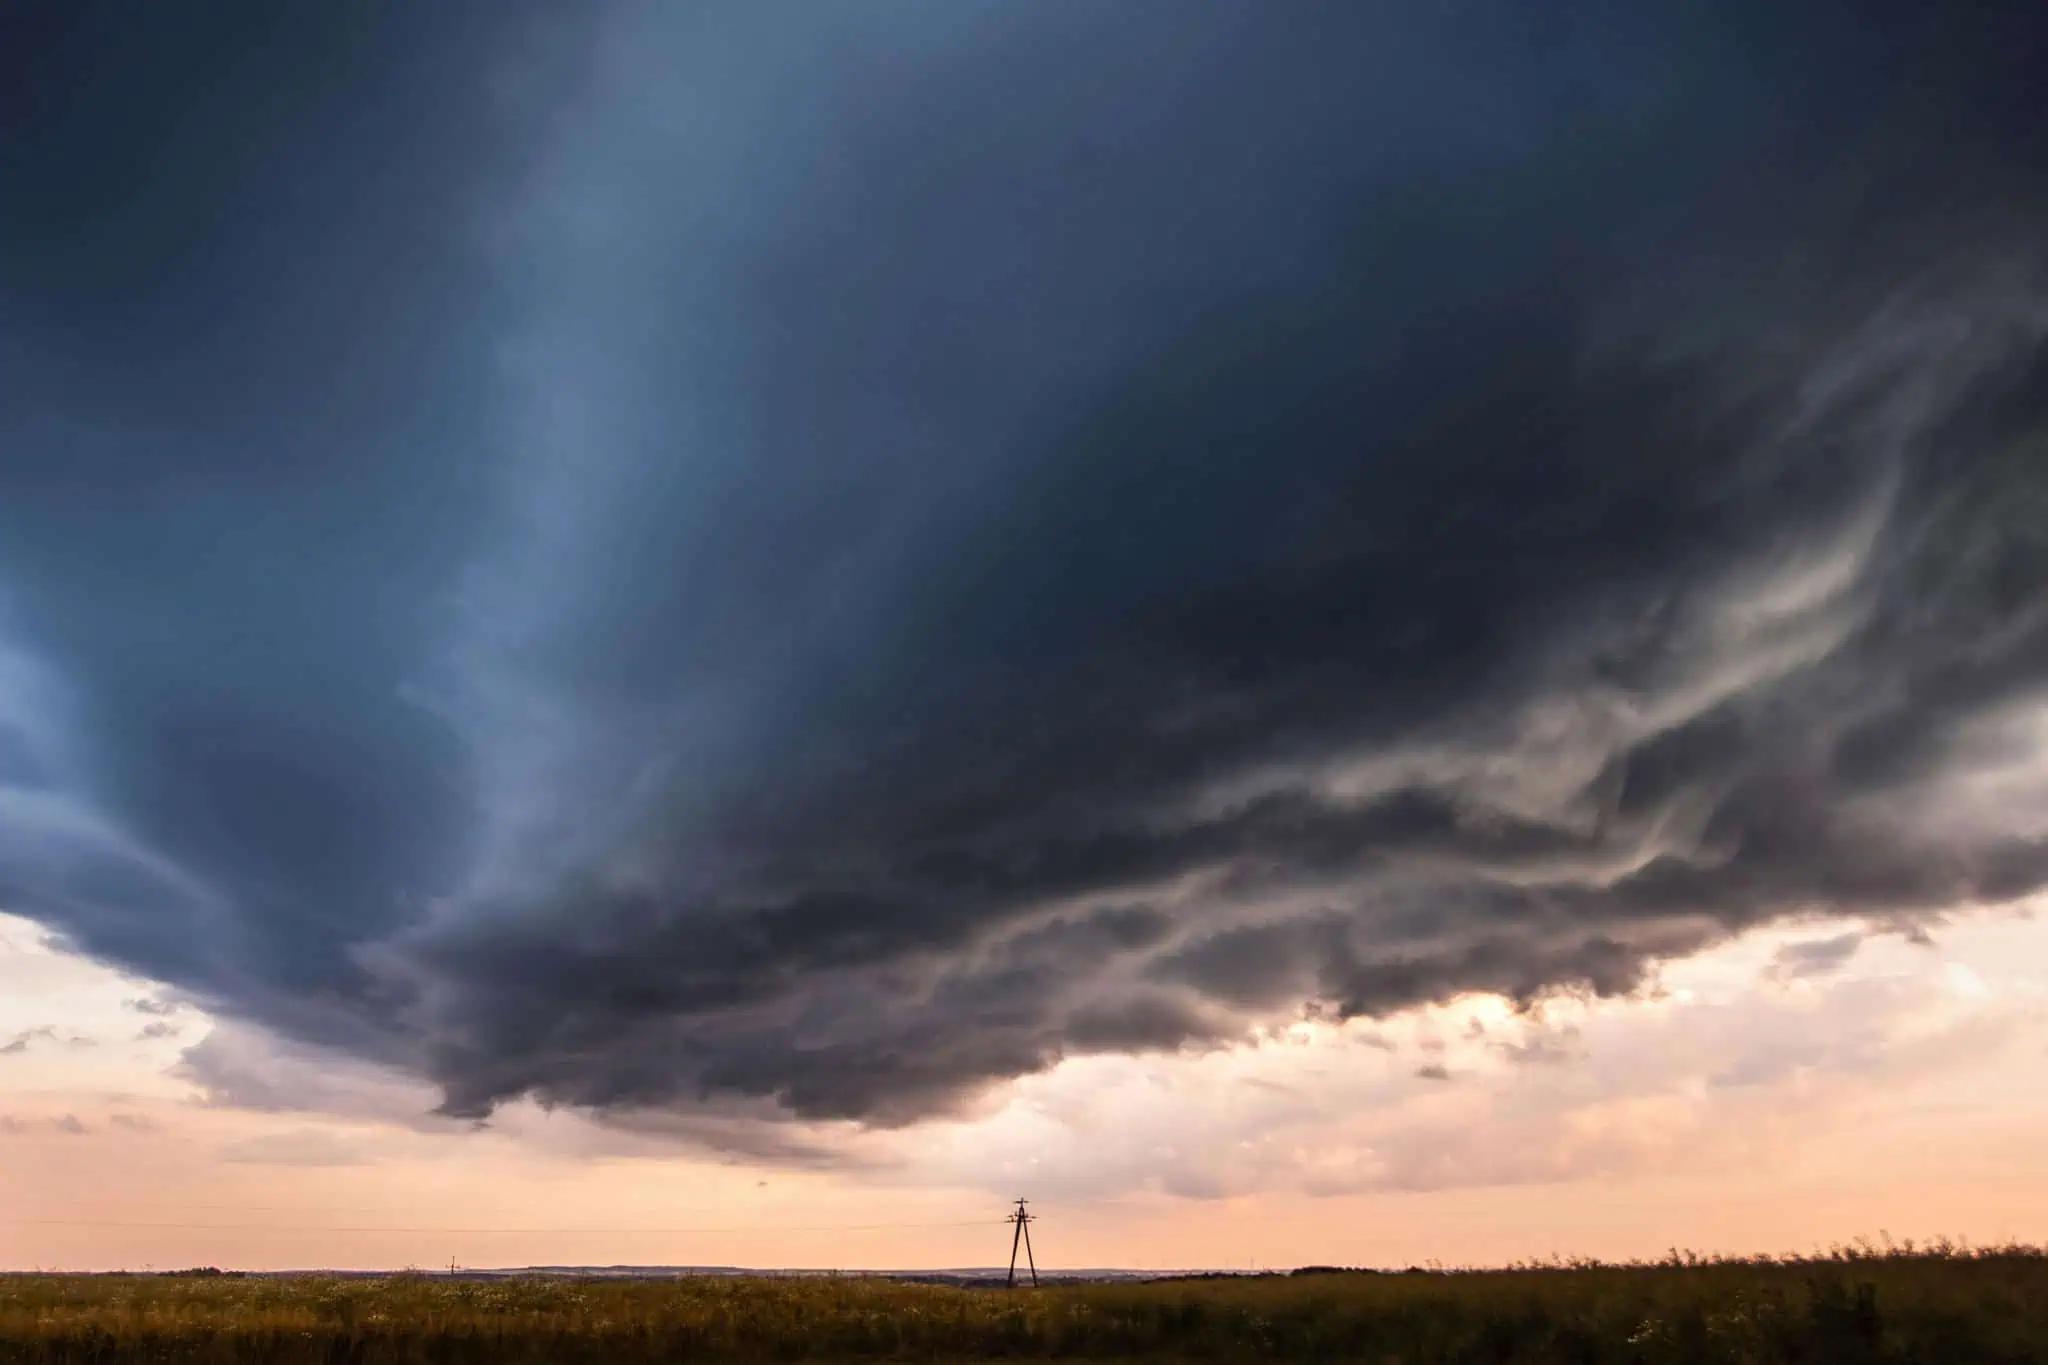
746	561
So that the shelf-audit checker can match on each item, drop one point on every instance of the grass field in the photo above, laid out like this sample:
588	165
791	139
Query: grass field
1852	1307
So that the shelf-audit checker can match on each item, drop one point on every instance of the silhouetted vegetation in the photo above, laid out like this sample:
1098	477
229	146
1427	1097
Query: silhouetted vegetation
205	1272
1852	1306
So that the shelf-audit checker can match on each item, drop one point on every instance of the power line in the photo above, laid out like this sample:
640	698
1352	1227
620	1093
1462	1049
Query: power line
292	1208
614	1231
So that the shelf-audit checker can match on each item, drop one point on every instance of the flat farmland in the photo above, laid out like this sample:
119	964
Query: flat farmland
1980	1306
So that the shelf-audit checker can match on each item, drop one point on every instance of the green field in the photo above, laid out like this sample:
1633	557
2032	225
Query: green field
1982	1306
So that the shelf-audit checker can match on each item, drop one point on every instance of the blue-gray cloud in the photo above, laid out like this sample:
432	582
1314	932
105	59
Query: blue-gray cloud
1815	957
735	555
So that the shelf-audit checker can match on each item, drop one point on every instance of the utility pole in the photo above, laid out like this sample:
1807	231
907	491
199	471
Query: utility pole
1022	1222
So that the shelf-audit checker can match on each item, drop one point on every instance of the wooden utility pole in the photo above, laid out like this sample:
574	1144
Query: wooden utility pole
1022	1222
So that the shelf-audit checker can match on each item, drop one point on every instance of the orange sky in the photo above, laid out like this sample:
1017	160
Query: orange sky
1788	1089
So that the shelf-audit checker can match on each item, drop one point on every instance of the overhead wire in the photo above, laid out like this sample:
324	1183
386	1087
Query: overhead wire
484	1231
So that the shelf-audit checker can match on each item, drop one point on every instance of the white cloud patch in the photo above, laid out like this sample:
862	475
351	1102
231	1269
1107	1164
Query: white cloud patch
1728	1060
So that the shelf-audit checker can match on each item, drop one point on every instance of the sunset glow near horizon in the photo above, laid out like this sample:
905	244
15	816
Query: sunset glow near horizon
1779	1094
731	634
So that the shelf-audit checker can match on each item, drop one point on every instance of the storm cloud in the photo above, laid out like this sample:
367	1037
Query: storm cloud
785	561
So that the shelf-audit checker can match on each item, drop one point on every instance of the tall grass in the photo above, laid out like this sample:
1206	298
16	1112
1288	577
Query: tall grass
1855	1306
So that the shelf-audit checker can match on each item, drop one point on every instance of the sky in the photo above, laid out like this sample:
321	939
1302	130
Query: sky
733	633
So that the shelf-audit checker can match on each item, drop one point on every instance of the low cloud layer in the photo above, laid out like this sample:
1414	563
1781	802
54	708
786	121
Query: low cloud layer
762	569
41	1034
63	1125
1724	1070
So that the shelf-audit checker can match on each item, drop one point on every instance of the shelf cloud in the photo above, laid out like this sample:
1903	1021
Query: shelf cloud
811	564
